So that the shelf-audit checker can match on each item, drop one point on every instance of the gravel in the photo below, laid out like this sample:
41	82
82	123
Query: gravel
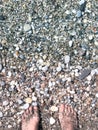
48	56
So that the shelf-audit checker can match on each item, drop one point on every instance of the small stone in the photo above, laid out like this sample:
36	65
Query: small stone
1	67
70	43
58	68
1	114
0	123
9	126
5	103
84	73
83	6
27	27
93	72
19	101
54	108
25	106
96	43
67	59
52	120
89	78
90	37
34	98
78	14
34	104
82	2
28	100
96	95
9	74
2	17
45	68
2	83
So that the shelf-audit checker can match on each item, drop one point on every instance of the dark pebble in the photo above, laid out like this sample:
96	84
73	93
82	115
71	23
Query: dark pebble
83	6
2	17
84	73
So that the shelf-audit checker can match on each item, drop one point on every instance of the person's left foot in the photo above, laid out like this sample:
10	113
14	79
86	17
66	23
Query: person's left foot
30	119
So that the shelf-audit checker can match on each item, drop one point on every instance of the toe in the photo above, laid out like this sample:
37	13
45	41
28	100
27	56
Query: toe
30	110
61	108
66	109
23	117
61	111
36	112
69	109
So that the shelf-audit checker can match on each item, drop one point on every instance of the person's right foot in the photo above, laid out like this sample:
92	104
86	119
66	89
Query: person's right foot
67	117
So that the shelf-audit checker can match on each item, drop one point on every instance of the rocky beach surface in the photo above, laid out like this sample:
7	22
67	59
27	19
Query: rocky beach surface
48	56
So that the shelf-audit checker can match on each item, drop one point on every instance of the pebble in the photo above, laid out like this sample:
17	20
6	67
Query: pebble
27	27
28	100
2	17
1	114
25	106
91	37
78	14
20	101
96	43
84	73
52	120
9	74
58	68
9	126
54	108
1	67
5	103
34	103
34	98
89	78
83	6
96	95
81	2
2	83
67	59
70	43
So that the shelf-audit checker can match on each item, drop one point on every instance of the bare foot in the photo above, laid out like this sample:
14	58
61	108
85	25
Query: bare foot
67	117
30	119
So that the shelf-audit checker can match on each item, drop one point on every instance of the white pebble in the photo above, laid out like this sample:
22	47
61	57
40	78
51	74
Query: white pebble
9	74
34	98
93	72
58	69
81	2
5	103
90	37
70	43
25	106
27	27
97	95
50	84
1	114
45	68
67	59
9	126
34	104
52	120
89	78
96	43
19	101
31	69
